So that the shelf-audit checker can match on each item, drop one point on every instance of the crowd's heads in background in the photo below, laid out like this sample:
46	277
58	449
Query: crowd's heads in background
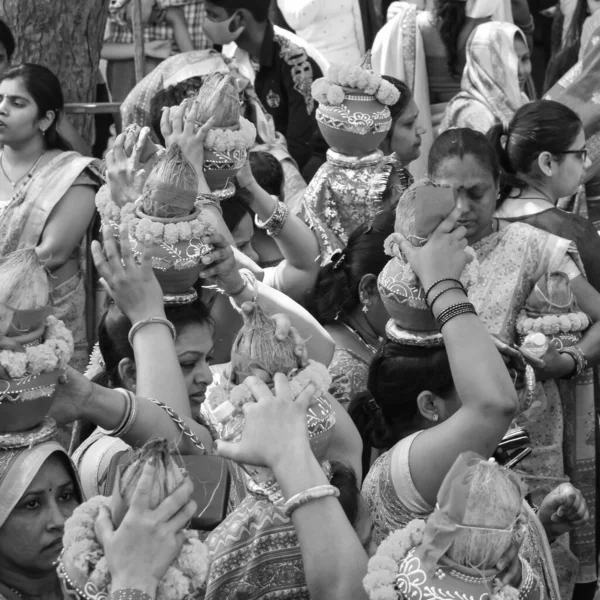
226	19
7	48
451	17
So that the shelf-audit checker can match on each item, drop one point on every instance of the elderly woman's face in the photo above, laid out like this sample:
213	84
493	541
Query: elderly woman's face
476	193
31	537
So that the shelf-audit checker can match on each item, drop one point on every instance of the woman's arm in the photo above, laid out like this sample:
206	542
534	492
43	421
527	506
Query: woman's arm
275	436
319	344
346	444
175	17
488	401
66	226
299	270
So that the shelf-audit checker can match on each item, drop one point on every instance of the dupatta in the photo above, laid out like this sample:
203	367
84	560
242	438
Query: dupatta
490	85
398	52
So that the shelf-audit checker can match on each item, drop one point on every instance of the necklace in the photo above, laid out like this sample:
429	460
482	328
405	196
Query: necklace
27	175
360	338
16	592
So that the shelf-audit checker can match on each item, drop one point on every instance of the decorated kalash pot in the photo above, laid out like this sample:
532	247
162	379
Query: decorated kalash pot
419	212
453	555
168	214
257	352
43	346
347	190
227	143
551	316
82	567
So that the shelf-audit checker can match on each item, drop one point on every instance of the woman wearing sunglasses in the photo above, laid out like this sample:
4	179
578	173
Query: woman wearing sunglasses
543	157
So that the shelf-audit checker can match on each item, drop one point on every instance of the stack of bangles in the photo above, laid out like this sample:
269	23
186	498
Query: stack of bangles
461	308
275	223
129	416
309	495
151	321
209	200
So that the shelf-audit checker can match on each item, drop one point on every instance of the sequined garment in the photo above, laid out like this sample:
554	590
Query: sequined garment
347	192
349	374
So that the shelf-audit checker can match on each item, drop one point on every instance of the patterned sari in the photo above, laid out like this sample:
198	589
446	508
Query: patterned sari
490	85
562	430
22	223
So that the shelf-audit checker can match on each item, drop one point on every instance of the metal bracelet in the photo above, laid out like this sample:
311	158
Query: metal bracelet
129	594
314	493
581	362
275	223
127	415
180	423
149	321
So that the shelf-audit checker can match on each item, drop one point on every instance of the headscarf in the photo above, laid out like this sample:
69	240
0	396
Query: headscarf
18	468
490	84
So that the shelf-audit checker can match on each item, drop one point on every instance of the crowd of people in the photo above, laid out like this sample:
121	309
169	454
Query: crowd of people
322	320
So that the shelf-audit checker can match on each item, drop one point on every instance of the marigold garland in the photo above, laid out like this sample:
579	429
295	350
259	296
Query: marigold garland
141	228
382	571
53	353
228	140
329	90
552	324
239	395
84	555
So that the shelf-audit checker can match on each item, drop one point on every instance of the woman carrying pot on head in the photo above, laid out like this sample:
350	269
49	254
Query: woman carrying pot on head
514	258
47	194
494	80
349	191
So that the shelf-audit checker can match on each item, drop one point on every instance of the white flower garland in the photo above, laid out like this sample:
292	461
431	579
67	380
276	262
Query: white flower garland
329	90
140	228
53	353
552	324
382	572
239	395
228	140
84	554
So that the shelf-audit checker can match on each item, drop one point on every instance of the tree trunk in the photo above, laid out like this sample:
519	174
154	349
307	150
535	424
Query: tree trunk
65	36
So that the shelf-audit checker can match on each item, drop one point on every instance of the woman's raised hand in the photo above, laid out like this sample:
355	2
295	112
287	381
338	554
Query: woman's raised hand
275	426
140	551
125	171
220	265
443	256
563	509
131	284
178	126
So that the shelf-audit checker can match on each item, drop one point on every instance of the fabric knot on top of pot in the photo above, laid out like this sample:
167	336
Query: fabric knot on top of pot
227	143
353	113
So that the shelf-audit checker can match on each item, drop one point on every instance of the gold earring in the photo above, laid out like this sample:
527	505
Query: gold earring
436	418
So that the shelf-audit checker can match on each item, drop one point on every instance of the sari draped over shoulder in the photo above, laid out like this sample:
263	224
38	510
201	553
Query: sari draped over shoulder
490	85
19	467
347	192
562	430
398	51
22	222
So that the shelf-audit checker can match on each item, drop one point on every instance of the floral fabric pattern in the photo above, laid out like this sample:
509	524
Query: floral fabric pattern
349	374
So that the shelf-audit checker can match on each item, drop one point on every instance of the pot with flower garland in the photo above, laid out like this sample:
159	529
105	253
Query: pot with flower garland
82	567
255	353
43	348
353	113
169	217
227	143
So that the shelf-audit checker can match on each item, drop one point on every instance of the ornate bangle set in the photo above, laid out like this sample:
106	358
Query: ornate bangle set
209	200
275	223
150	320
581	361
462	308
129	416
309	495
